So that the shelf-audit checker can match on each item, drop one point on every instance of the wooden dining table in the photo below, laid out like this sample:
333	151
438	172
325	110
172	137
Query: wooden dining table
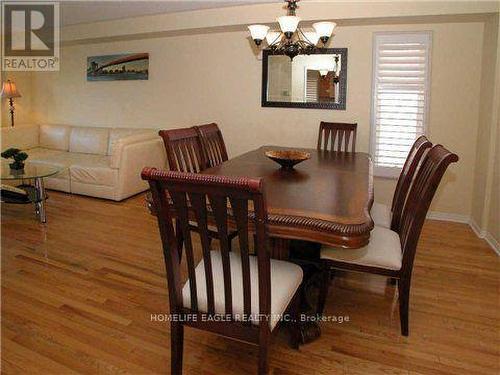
325	199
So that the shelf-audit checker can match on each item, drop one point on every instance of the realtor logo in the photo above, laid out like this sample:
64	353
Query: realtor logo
30	36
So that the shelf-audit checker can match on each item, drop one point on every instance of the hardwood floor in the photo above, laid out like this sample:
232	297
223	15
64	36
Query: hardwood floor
78	295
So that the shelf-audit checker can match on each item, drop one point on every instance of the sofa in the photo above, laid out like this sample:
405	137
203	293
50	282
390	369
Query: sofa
98	162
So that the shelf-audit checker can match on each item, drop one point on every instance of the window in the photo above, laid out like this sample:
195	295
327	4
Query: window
401	81
312	77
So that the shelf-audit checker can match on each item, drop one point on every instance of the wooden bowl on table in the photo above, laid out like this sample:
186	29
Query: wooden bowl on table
287	158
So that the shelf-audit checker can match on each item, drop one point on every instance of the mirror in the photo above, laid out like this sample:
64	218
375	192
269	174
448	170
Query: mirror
318	80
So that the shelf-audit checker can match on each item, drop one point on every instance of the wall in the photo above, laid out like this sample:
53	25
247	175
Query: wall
485	214
216	77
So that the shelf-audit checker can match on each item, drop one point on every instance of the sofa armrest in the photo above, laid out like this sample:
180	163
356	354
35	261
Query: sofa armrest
134	157
118	146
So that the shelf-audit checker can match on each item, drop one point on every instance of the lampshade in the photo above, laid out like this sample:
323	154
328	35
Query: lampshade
323	72
324	29
258	32
9	90
272	37
312	37
288	24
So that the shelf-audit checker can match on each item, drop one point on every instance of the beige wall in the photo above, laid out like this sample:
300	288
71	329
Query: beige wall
216	77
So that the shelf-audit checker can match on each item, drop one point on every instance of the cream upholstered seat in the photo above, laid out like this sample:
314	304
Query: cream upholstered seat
381	215
285	280
383	251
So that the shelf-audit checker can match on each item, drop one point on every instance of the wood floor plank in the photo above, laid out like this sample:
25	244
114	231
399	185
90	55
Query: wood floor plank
78	296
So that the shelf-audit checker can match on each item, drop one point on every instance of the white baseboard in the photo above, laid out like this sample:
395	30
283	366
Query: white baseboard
481	233
446	216
458	218
492	242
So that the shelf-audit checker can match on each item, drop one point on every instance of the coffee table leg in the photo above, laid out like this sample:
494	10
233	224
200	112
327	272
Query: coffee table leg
40	200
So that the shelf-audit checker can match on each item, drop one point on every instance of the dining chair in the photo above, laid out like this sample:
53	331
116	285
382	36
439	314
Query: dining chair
390	253
337	136
214	148
250	292
389	217
185	153
184	150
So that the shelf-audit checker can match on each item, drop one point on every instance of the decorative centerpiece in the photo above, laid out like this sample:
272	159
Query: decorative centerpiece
287	158
18	156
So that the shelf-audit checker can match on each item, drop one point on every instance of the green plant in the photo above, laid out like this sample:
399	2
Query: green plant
18	156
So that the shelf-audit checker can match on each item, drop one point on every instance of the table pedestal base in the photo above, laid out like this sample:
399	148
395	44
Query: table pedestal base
309	330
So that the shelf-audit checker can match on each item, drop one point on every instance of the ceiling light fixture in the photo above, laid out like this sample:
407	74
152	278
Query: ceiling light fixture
291	40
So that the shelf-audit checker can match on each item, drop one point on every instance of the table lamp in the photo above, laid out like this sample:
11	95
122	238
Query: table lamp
9	90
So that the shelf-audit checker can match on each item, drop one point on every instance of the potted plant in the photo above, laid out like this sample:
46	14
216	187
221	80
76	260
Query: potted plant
18	156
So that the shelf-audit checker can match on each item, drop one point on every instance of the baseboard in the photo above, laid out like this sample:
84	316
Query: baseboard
493	243
481	233
458	218
446	216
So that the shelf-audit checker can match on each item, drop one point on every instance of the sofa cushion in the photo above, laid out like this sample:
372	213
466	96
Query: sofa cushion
38	153
116	134
23	137
94	170
55	137
87	140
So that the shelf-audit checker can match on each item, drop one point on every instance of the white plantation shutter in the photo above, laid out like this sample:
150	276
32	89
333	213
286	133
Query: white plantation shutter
312	85
400	97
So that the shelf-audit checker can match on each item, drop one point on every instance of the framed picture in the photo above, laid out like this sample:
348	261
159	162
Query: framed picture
121	67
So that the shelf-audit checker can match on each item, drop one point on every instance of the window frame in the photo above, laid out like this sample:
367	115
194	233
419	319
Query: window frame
394	172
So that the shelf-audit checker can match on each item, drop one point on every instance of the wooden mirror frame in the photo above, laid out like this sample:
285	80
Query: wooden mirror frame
341	105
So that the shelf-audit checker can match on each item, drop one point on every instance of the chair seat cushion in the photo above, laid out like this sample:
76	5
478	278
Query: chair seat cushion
383	251
286	278
381	215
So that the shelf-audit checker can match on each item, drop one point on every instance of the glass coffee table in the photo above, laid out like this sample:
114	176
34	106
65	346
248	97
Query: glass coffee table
35	193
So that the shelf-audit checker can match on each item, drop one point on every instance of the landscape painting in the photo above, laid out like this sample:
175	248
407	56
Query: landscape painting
128	66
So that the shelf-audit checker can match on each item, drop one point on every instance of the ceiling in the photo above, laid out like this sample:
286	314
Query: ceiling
75	12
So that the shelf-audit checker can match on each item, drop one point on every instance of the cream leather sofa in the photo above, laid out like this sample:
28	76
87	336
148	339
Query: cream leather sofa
99	162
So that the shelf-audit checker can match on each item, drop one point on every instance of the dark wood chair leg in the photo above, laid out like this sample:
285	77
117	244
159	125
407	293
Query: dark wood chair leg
404	304
295	334
264	351
176	347
180	238
323	291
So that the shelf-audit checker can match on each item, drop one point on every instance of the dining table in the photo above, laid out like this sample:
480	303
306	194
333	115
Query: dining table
325	199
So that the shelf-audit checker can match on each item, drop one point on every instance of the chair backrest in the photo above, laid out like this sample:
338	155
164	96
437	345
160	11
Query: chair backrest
184	150
189	195
406	177
337	136
213	144
422	190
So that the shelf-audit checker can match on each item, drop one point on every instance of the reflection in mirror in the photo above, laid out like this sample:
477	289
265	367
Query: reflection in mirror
308	81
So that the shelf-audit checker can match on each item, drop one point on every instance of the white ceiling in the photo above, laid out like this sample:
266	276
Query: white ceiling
74	12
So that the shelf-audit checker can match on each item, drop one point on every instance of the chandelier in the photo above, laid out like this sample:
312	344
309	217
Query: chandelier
291	40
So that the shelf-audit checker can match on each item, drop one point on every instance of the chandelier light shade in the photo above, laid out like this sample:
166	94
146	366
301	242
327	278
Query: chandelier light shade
290	39
288	24
312	37
273	37
258	33
324	30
